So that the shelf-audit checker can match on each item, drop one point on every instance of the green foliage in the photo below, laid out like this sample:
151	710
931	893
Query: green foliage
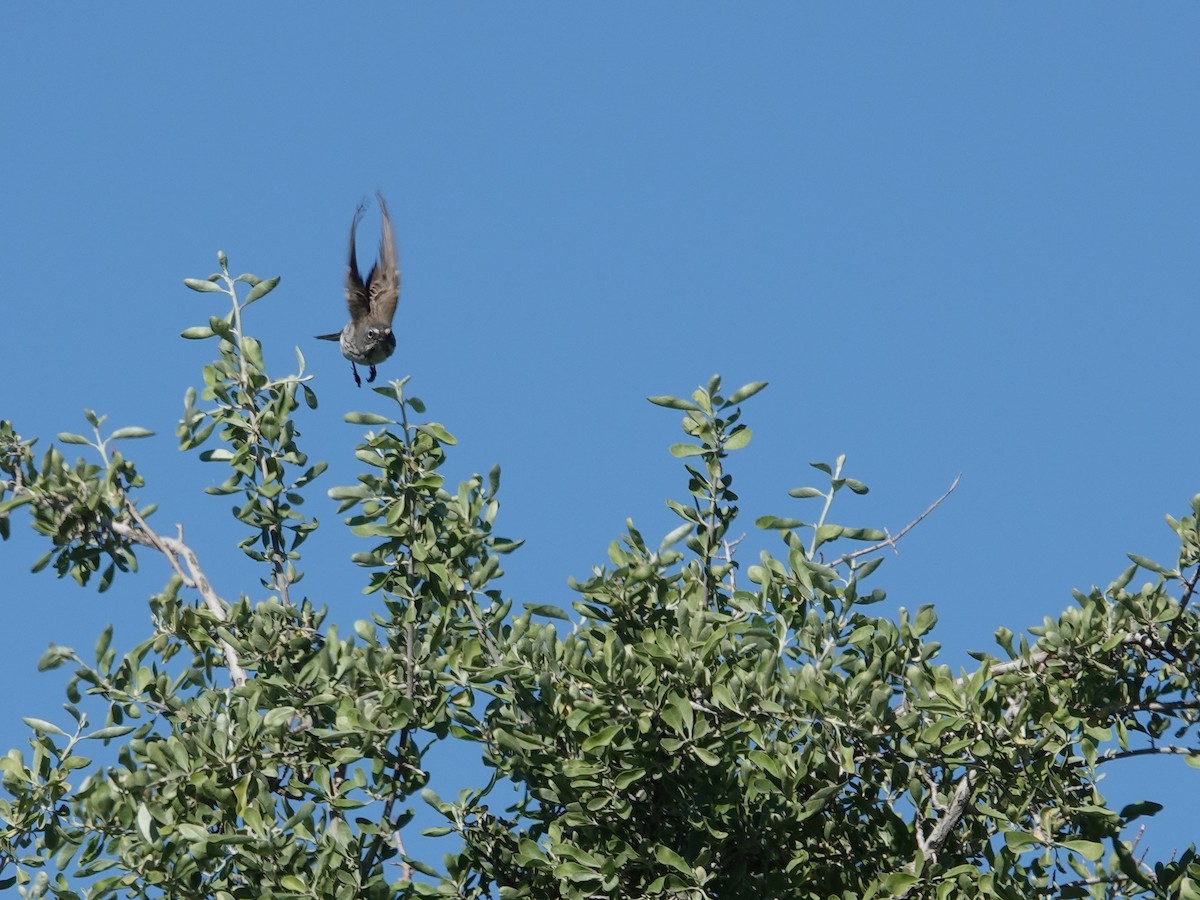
693	727
77	507
257	431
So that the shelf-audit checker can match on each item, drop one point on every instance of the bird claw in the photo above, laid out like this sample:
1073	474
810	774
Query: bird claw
371	377
357	379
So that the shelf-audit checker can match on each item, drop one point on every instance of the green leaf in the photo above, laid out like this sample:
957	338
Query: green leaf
803	493
739	439
675	535
684	512
221	327
438	432
745	392
829	532
261	289
1147	563
145	823
252	350
103	642
1143	561
131	432
1132	811
189	831
669	857
898	883
196	333
367	418
674	403
68	437
765	761
1090	850
199	284
1018	841
113	731
1122	580
366	630
683	450
601	738
779	523
55	656
41	725
546	610
863	534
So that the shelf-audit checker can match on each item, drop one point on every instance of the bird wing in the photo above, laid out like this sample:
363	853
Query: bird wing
383	284
357	297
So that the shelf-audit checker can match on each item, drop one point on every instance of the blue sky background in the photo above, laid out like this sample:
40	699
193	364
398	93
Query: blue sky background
954	238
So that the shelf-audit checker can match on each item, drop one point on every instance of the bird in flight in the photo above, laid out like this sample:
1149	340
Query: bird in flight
367	339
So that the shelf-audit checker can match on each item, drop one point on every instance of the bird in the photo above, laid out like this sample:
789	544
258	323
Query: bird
367	339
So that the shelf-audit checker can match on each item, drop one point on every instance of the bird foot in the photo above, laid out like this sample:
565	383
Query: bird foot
357	379
371	377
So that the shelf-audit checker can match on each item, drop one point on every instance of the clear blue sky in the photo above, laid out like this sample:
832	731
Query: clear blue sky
954	238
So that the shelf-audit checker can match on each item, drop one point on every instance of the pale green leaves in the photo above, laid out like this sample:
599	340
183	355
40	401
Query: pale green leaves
203	285
707	400
738	438
367	418
54	657
253	416
261	288
674	403
130	432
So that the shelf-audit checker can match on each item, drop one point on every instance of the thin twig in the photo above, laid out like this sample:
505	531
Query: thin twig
1110	755
892	538
729	547
405	868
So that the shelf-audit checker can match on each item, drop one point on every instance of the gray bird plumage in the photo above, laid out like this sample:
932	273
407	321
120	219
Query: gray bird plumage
367	338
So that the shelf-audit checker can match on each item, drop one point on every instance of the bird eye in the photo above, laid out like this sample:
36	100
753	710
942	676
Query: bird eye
372	332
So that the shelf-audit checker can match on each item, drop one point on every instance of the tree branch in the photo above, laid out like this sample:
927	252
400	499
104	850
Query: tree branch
932	845
1170	750
175	550
891	539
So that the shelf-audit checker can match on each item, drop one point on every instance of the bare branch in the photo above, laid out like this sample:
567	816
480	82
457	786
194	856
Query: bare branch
1170	750
932	845
405	868
892	538
730	547
175	551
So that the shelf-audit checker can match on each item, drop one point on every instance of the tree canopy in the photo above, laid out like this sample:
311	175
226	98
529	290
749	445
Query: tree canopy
696	725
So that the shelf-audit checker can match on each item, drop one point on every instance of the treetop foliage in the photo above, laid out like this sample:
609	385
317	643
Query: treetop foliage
695	726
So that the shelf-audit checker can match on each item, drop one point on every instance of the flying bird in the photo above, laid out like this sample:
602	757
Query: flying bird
367	339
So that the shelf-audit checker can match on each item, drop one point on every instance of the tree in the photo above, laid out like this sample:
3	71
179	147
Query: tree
698	728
